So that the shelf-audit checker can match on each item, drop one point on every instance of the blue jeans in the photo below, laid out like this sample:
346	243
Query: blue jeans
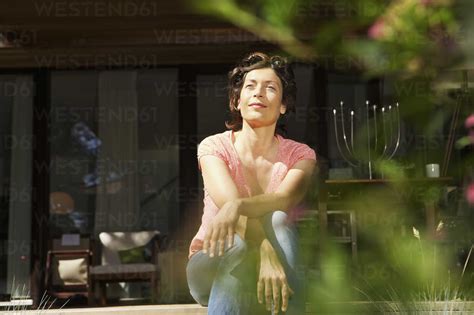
228	284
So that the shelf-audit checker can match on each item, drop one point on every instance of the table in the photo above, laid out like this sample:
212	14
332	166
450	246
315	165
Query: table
343	187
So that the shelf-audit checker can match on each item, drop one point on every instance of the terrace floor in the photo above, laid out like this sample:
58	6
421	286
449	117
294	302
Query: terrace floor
366	308
175	309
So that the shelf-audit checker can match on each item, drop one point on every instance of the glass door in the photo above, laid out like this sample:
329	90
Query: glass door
16	112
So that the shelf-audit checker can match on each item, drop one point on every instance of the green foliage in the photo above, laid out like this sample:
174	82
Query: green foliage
412	42
409	36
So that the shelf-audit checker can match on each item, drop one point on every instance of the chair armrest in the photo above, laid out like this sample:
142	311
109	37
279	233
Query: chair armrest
70	252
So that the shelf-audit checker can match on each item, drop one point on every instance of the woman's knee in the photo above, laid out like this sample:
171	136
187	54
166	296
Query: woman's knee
199	277
274	221
200	297
239	248
199	288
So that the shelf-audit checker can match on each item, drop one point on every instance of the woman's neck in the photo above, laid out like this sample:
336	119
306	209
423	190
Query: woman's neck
256	142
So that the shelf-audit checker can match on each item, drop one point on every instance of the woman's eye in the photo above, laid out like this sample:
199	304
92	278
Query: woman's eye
271	87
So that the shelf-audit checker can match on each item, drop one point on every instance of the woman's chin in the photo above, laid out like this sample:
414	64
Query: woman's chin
259	123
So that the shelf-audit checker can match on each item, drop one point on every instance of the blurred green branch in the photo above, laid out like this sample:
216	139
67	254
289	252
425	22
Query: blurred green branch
280	34
408	36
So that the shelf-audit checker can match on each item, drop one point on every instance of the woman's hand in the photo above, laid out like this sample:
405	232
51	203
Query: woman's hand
222	227
272	280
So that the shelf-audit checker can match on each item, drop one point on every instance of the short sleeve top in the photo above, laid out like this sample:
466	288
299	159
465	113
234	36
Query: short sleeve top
221	145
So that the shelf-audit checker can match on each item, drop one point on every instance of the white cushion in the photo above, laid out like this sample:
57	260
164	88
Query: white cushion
115	241
70	272
125	240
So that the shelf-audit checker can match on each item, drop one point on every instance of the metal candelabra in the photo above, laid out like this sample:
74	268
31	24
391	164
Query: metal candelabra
375	151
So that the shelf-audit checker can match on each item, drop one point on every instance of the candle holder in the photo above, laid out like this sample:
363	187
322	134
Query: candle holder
381	144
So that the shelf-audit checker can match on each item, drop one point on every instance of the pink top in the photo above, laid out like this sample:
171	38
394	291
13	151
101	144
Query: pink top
221	145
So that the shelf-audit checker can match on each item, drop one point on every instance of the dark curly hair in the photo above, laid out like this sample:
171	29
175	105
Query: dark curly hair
258	60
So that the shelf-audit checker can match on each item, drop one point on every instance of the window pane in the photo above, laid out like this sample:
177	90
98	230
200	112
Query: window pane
6	104
16	116
73	107
106	128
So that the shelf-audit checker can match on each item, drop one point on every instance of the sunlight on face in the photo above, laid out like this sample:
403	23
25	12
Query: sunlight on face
260	100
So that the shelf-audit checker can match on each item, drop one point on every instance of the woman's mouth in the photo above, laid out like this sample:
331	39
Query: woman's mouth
257	105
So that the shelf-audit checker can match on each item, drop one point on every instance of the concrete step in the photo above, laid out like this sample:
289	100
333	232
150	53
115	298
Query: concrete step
348	308
175	309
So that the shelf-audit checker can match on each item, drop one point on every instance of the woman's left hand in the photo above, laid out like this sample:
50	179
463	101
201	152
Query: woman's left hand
272	283
222	227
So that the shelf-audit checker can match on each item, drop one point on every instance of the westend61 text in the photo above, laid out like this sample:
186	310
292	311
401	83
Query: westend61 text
96	8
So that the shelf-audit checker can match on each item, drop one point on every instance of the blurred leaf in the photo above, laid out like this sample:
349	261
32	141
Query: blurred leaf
463	142
440	226
250	21
391	170
416	233
279	13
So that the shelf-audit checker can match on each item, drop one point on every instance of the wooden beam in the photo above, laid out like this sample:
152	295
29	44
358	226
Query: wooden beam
125	56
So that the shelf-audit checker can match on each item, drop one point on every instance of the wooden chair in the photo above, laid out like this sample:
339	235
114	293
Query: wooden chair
114	269
67	273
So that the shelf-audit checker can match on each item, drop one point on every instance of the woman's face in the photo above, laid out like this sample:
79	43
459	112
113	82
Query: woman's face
260	101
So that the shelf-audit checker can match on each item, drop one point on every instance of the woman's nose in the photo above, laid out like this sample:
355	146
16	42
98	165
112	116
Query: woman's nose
258	92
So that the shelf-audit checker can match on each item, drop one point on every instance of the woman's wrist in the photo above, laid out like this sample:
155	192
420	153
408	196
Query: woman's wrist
232	207
265	248
239	203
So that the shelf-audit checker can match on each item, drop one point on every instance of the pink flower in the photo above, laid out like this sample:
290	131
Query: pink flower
426	2
469	123
376	31
470	194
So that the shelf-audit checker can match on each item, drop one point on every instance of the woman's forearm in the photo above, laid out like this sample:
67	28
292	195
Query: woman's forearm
257	206
254	231
290	192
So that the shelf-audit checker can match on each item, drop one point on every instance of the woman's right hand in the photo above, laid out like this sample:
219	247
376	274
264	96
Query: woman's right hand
272	282
221	228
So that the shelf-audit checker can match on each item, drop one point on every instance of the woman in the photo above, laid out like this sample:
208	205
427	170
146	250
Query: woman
252	177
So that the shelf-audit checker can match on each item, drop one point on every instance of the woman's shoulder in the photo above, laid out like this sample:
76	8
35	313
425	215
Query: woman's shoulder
295	150
219	145
290	144
217	139
218	142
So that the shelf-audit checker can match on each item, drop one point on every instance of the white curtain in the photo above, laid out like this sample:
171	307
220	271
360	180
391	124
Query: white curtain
19	225
117	203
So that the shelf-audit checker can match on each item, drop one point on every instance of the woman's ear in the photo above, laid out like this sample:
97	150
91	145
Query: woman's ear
283	109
